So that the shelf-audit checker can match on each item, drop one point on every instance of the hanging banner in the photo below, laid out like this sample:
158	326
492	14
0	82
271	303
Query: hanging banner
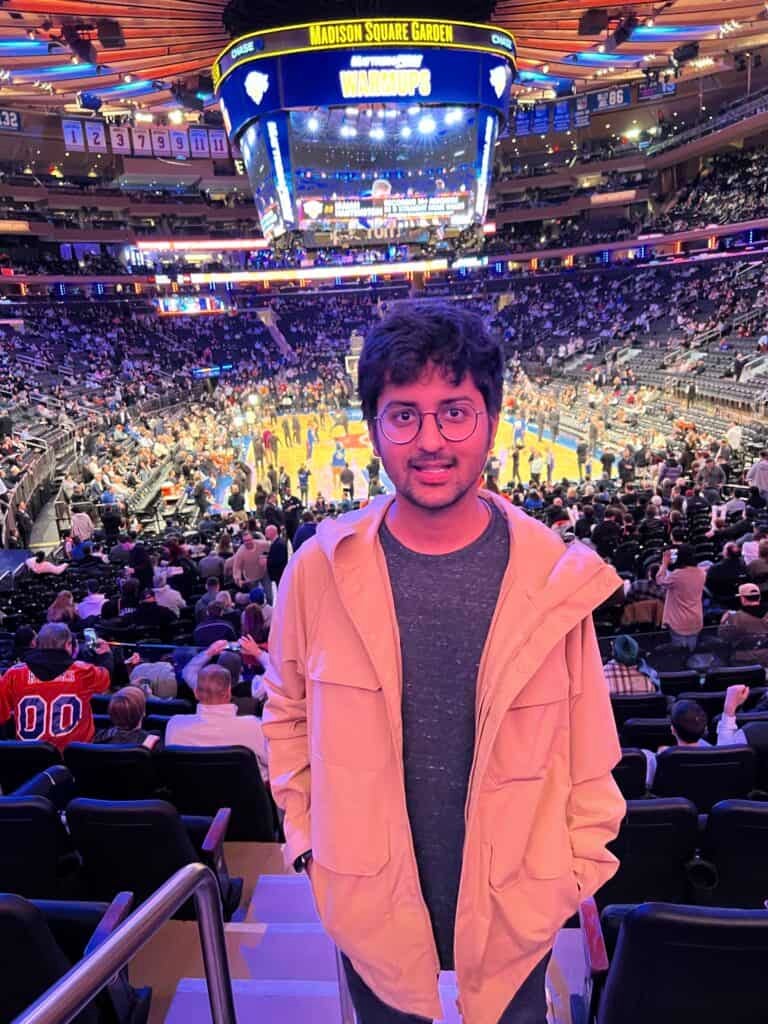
161	142
96	136
120	139
141	141
73	135
198	142
179	142
219	147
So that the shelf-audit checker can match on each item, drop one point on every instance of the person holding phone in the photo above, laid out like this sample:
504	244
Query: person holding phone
683	582
49	693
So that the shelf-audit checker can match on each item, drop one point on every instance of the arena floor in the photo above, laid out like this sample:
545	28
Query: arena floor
358	450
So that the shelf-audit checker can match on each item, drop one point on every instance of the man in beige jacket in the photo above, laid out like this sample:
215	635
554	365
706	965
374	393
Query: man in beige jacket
446	778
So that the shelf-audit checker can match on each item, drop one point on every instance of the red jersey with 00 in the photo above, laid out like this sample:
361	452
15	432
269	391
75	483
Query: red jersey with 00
56	711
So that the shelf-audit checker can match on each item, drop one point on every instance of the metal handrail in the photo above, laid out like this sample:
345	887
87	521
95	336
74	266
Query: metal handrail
85	980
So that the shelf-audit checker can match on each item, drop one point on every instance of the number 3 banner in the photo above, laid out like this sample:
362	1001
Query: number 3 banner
119	139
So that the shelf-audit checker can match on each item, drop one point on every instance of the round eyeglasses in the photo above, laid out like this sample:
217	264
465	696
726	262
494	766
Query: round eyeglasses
456	421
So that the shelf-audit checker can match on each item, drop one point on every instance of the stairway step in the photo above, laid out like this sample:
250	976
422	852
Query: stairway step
282	899
268	1002
281	952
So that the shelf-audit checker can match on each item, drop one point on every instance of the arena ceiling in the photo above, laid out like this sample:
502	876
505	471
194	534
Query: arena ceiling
154	55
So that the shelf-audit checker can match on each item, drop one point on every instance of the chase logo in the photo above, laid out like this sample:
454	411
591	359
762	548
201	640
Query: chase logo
499	77
256	85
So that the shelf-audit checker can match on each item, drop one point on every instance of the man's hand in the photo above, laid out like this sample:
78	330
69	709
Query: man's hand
134	660
734	698
101	647
216	648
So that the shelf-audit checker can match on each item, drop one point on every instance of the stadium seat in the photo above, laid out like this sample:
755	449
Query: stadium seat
112	771
646	733
137	845
656	841
746	675
705	775
735	842
675	683
36	857
20	760
157	724
630	774
756	733
642	705
200	779
676	965
42	940
155	705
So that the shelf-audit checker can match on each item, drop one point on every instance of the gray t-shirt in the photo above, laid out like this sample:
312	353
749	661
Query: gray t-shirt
444	606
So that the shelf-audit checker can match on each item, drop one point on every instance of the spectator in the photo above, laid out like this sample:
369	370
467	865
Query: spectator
757	474
757	570
277	559
63	609
214	627
257	596
627	672
39	565
212	590
684	586
127	709
725	576
151	615
91	605
211	564
166	596
49	693
216	722
305	531
746	629
688	722
250	563
157	679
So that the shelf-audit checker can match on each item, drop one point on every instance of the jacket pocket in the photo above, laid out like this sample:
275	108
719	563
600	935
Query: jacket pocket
349	825
528	738
348	721
530	834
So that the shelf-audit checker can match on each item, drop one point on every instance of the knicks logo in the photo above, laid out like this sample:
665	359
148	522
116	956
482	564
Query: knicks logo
256	85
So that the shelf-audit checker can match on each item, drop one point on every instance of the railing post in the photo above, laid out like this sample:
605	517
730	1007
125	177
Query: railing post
218	980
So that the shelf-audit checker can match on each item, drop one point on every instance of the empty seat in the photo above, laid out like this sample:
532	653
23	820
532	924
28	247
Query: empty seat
656	841
705	775
675	683
647	733
757	737
735	842
112	771
35	853
42	940
641	705
137	845
20	760
630	774
679	965
746	675
200	779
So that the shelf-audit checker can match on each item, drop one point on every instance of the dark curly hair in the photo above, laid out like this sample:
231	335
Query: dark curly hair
416	333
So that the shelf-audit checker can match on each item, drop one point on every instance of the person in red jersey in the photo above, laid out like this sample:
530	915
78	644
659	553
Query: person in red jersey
49	693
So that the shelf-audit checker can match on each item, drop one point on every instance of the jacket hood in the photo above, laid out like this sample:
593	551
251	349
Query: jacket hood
47	664
550	572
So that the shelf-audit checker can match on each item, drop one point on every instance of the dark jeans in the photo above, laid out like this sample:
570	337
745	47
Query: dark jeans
528	1005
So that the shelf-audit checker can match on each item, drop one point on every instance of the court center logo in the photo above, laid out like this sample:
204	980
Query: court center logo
499	77
256	85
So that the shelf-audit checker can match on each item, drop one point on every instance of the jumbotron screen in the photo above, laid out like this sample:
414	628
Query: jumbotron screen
385	135
366	167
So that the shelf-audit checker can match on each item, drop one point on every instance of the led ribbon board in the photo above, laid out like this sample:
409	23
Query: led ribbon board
363	122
